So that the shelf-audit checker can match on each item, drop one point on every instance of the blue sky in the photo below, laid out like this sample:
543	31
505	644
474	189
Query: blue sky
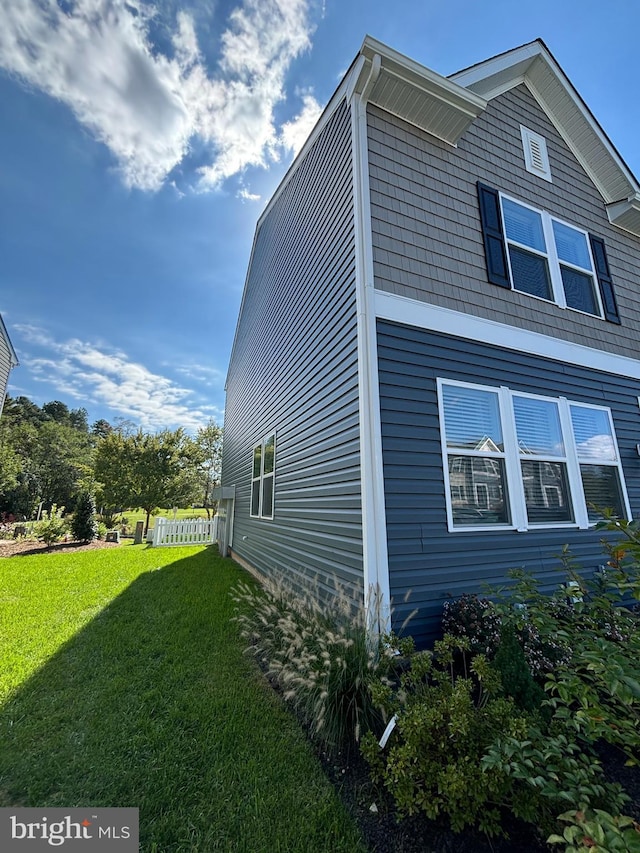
139	143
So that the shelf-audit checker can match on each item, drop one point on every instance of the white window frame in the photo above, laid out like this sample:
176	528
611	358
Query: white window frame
514	485
260	478
551	255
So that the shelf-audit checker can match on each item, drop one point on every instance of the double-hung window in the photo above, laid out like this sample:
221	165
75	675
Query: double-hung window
521	461
262	478
549	259
531	251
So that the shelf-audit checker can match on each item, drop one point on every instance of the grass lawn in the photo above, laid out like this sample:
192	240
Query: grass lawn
124	683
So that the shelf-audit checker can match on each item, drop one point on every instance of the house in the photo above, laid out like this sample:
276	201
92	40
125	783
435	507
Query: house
8	359
435	376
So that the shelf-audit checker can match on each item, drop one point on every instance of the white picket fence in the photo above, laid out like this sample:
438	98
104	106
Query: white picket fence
188	531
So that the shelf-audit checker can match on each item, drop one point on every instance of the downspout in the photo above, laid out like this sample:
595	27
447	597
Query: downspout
374	538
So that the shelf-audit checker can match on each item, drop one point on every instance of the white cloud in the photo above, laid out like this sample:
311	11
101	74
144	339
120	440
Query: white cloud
96	56
91	373
294	133
245	195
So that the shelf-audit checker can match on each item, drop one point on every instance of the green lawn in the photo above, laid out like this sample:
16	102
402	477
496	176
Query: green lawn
124	683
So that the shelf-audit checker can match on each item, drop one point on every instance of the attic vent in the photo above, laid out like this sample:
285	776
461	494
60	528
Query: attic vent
535	153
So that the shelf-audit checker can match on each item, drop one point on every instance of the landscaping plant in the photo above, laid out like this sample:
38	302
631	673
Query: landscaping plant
84	525
507	711
320	654
51	527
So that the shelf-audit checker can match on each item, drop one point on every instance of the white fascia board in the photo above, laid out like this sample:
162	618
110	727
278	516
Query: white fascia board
417	94
626	214
422	315
534	65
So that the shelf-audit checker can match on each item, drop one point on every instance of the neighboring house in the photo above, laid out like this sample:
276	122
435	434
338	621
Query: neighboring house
8	359
436	367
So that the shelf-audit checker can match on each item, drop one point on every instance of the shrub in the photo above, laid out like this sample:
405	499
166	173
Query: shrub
320	654
474	618
463	750
597	831
51	527
445	721
84	525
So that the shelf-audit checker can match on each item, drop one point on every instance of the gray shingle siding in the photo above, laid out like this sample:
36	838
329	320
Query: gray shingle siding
5	368
427	242
424	558
294	370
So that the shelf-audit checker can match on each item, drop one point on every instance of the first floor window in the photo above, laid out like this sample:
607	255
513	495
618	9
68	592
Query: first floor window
520	460
262	479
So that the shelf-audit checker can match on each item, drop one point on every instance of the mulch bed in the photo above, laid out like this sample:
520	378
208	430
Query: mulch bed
21	547
384	832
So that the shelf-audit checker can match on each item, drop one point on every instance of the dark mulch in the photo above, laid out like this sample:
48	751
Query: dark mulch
384	832
22	547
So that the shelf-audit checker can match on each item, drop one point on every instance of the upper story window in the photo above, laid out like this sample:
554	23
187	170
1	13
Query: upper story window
262	477
531	251
549	258
522	461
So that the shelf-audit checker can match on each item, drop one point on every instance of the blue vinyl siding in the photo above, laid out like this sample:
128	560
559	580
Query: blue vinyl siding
426	560
294	371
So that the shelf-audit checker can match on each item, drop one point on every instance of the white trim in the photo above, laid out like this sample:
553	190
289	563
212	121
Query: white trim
514	484
554	263
422	315
374	525
13	358
261	477
534	65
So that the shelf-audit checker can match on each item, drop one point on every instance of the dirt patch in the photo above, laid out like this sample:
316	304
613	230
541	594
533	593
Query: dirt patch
20	547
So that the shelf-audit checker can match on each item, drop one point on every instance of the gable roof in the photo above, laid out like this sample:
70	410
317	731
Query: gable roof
12	353
446	106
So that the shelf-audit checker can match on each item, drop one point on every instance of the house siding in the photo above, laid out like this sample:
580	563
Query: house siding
426	561
427	240
5	368
294	370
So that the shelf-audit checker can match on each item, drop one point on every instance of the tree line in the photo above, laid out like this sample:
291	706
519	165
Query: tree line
50	454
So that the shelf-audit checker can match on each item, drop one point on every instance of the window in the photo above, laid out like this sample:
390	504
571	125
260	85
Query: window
549	259
521	461
262	478
533	252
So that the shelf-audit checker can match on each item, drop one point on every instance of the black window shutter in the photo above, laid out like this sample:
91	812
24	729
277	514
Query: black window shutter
604	279
494	248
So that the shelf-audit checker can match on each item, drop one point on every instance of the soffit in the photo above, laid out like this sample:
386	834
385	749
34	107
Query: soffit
415	93
533	65
5	335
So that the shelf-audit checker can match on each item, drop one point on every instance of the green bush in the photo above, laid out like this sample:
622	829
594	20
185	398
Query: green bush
84	525
320	654
462	749
51	527
597	831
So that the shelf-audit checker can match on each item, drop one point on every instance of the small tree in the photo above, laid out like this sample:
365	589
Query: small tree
52	527
84	525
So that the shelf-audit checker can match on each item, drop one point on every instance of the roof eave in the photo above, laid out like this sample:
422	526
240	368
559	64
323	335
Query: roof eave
534	65
416	94
12	353
626	214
